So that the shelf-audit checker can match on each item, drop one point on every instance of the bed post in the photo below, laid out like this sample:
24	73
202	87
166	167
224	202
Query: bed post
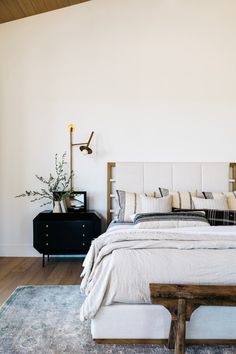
110	166
233	180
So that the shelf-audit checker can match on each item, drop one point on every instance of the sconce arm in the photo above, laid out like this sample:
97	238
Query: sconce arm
90	138
78	144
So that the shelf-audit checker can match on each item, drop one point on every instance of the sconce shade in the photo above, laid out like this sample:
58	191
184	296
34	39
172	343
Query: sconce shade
86	150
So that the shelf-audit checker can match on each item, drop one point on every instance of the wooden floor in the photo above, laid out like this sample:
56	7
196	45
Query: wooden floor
15	271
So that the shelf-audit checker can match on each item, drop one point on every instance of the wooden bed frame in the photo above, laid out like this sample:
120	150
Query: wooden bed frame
144	341
111	181
110	214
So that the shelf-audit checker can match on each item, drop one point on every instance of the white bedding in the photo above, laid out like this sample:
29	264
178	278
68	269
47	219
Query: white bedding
122	262
114	225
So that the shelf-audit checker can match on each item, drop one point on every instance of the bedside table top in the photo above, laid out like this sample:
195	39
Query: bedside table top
88	215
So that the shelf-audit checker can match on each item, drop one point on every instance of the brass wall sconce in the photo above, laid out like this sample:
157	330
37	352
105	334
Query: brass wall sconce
84	148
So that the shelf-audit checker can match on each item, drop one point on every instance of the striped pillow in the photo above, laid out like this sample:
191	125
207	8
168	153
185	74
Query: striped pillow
180	200
211	195
129	204
219	203
231	197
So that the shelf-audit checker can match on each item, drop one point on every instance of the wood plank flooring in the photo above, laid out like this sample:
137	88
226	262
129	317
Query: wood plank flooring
16	271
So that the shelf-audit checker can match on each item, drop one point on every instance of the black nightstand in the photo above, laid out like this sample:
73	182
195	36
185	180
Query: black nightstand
65	233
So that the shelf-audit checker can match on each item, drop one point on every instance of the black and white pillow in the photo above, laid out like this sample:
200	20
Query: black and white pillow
221	217
212	195
216	217
170	220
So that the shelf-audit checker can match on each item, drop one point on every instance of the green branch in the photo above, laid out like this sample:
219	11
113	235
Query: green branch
55	187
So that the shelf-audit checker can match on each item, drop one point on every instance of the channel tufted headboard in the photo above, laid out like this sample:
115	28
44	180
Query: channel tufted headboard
146	177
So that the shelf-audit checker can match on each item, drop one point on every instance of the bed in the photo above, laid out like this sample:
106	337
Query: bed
123	261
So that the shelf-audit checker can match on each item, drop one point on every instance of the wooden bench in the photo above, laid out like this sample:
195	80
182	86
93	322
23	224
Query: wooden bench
182	300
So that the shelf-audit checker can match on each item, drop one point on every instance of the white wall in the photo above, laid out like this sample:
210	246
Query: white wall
155	79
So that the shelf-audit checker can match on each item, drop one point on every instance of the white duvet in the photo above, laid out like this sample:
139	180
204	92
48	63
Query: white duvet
121	263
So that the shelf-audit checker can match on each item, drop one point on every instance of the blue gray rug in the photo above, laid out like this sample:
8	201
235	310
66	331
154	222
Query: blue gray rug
45	320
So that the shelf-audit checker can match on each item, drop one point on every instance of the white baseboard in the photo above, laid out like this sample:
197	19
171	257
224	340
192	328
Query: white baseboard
18	250
27	250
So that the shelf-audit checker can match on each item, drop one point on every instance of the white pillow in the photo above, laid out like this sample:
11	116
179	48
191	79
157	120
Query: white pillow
156	205
218	204
231	197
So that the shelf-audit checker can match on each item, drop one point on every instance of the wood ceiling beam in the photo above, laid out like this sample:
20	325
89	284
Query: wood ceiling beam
11	10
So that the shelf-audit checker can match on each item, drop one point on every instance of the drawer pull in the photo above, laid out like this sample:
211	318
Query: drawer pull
46	225
83	225
83	244
83	235
46	235
46	244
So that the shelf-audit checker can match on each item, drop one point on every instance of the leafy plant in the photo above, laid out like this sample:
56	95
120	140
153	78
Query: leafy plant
56	188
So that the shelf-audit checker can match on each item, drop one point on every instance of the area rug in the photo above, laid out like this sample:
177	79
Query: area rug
45	320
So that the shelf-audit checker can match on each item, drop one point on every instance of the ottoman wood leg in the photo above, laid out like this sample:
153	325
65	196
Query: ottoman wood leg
181	327
172	334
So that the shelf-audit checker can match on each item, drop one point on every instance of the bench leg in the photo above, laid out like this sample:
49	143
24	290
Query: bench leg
181	327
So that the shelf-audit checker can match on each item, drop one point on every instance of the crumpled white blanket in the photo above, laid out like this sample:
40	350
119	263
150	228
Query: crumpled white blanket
120	264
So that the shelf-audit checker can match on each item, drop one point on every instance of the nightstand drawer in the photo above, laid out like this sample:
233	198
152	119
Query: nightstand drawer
85	228
82	246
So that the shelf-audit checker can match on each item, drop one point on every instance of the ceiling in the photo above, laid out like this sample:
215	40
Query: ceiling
11	10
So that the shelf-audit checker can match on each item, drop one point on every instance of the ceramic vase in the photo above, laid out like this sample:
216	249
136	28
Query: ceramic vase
57	207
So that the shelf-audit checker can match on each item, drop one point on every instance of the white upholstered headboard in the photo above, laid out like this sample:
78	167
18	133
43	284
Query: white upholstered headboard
146	177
